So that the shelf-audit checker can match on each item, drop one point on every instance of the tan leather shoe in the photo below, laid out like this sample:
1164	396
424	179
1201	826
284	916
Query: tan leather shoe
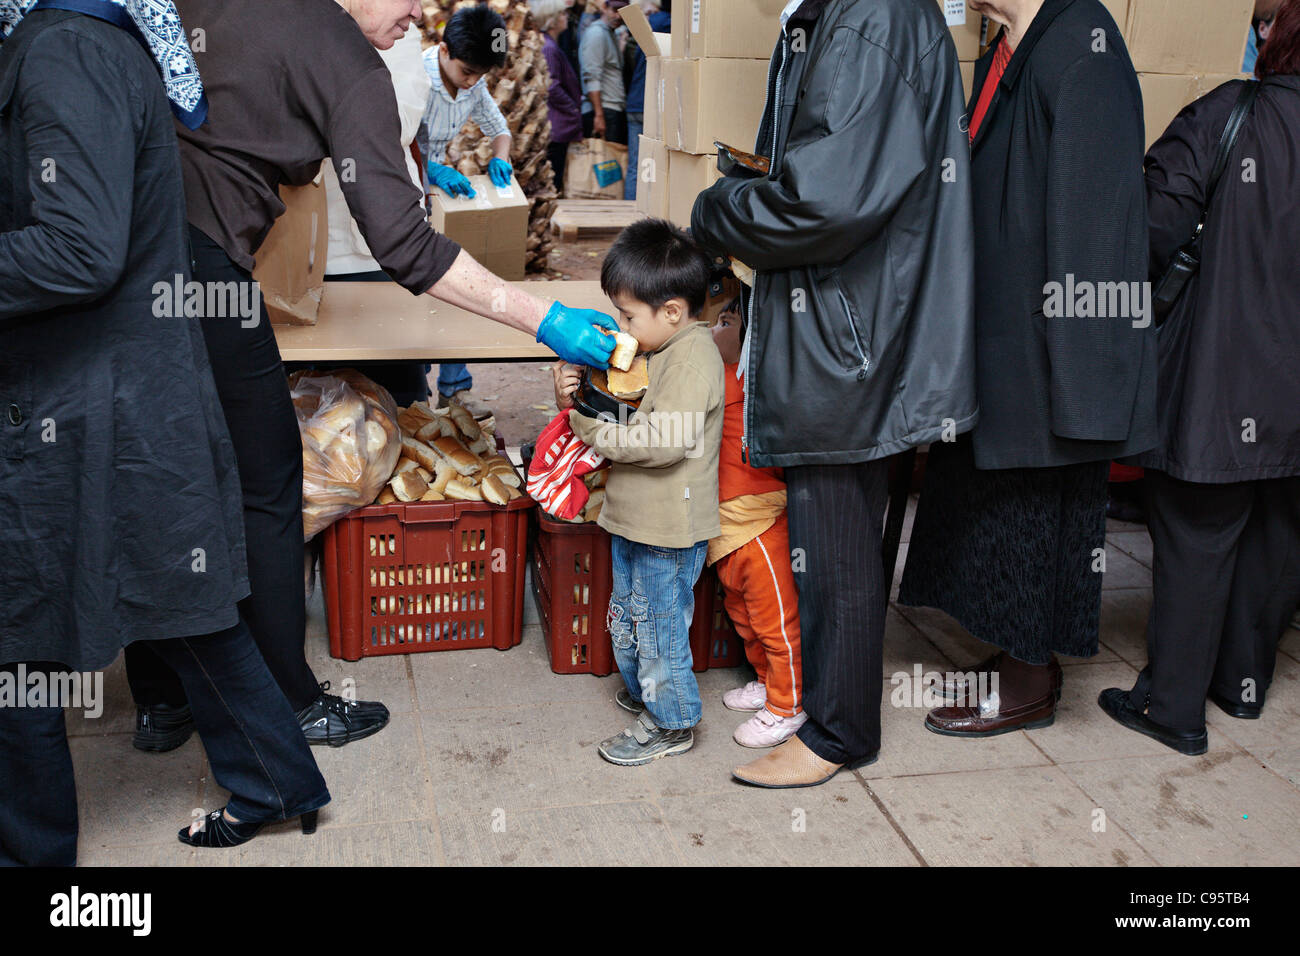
792	764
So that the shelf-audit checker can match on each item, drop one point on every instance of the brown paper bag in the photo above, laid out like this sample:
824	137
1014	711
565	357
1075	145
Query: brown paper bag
290	265
595	169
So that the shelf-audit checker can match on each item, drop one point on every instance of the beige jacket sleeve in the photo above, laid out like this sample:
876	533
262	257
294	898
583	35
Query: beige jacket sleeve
661	436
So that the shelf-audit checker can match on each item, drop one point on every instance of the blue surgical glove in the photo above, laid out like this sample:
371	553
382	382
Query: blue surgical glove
449	180
500	171
569	333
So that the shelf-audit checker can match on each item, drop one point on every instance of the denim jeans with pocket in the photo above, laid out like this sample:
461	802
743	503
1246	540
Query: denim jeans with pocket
650	613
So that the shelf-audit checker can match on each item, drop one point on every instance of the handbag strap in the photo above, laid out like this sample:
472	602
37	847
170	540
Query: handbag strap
1227	141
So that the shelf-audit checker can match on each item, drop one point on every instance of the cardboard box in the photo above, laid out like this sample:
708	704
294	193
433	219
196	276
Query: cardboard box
966	26
741	29
688	176
492	227
652	178
967	78
655	46
712	99
1188	36
290	263
1164	96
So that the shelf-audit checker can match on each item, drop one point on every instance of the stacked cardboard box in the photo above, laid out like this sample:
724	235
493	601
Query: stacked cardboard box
1182	49
492	226
704	84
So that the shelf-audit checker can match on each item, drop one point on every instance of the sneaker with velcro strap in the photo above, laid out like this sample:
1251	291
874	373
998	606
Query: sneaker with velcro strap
644	742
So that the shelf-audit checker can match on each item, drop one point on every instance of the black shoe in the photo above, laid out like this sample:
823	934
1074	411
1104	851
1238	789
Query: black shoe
161	728
1235	708
219	832
1116	703
334	720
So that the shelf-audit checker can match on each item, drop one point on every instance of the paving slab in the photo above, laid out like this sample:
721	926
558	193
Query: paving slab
1278	728
1136	544
1220	809
125	796
1122	571
610	834
1123	631
1029	816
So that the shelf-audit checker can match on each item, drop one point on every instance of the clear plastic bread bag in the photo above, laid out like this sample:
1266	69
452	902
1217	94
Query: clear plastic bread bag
350	443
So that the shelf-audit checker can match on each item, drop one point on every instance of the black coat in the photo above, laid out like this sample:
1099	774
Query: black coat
115	463
1230	350
861	326
1057	167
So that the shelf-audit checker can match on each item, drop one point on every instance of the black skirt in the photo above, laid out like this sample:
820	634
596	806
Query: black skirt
1011	554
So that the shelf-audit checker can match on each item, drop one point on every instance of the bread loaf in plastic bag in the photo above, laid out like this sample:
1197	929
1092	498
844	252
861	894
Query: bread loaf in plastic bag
350	443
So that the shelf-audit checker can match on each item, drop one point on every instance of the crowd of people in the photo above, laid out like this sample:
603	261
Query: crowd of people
918	271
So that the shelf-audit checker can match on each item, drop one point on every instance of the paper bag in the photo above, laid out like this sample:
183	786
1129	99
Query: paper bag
290	263
594	170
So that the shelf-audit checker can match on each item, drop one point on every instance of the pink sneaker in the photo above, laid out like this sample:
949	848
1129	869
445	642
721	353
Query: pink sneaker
766	729
746	699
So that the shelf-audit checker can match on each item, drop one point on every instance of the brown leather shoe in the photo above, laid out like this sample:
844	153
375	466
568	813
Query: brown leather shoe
954	690
792	764
990	719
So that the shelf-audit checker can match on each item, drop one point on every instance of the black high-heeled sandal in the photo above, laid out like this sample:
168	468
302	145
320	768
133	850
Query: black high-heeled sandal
219	832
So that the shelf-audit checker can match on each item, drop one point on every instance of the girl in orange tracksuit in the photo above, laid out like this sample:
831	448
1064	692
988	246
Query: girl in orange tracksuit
752	559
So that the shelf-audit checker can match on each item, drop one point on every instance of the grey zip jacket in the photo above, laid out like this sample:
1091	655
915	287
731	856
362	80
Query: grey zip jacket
861	322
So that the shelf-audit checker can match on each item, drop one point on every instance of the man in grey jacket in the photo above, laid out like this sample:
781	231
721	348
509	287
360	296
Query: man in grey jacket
604	105
860	324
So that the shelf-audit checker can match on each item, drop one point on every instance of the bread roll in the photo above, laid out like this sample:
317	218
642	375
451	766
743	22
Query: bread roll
464	421
442	474
457	455
495	491
424	473
406	464
432	495
463	492
411	419
386	497
420	453
624	351
631	382
408	486
376	438
481	445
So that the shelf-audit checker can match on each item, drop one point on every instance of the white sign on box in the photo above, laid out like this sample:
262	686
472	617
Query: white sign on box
954	12
695	15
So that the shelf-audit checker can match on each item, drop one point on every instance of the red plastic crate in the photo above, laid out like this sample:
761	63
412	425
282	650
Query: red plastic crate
572	580
425	576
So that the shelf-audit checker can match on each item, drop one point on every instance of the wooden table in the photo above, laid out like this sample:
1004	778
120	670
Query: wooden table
381	321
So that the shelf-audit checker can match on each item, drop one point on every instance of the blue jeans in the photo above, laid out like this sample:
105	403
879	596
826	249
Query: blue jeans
650	614
634	127
453	379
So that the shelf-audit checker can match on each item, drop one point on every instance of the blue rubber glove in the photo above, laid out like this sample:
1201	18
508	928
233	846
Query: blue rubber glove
569	334
449	180
500	171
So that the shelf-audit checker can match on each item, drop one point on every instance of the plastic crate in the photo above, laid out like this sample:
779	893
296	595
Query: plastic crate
572	578
426	576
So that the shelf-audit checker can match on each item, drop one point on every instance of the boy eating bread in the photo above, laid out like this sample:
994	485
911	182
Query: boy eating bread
661	499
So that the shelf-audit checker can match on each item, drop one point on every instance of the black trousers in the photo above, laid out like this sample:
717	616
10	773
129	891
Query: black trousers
1226	581
558	154
252	739
615	126
255	398
836	515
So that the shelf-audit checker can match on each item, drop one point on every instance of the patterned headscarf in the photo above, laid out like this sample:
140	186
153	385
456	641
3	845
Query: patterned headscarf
156	24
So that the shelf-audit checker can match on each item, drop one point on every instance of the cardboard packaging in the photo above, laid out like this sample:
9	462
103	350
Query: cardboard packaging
740	29
966	27
492	227
652	178
290	263
712	99
1188	36
1164	95
967	77
655	46
688	176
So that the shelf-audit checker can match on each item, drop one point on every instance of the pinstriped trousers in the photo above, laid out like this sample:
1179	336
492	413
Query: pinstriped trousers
836	517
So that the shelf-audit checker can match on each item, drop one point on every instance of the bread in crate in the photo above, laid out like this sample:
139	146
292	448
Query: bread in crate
446	455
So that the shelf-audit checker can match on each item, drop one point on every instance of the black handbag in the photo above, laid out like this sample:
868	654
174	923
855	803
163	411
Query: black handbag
1187	260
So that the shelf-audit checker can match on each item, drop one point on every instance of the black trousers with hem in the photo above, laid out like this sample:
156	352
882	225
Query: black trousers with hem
836	515
1226	578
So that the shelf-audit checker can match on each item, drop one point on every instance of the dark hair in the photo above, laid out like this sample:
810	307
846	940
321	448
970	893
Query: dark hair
1281	53
472	37
654	261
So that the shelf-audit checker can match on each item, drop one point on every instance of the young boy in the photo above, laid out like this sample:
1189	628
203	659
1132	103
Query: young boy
661	499
473	44
752	559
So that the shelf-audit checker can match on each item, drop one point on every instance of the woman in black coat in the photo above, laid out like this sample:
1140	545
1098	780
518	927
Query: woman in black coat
1010	532
1223	484
120	515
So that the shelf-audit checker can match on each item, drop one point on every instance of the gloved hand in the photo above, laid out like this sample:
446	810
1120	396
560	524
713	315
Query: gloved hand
500	171
449	180
569	334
